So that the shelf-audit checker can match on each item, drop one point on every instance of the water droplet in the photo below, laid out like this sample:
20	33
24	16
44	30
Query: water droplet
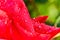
0	3
39	26
49	31
5	22
5	0
0	20
17	9
25	20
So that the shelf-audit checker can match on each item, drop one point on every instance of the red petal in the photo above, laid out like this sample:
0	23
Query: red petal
22	27
40	19
4	29
17	11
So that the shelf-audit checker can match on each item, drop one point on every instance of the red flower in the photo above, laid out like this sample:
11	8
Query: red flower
16	24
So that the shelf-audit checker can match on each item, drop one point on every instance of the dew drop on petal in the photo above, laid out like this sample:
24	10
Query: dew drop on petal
25	20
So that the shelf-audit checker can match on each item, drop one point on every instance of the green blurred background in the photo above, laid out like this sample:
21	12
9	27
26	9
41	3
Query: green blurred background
50	8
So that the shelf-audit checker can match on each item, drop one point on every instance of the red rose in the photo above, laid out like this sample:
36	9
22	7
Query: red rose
16	24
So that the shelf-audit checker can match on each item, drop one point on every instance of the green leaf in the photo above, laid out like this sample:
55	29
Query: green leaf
53	13
57	23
